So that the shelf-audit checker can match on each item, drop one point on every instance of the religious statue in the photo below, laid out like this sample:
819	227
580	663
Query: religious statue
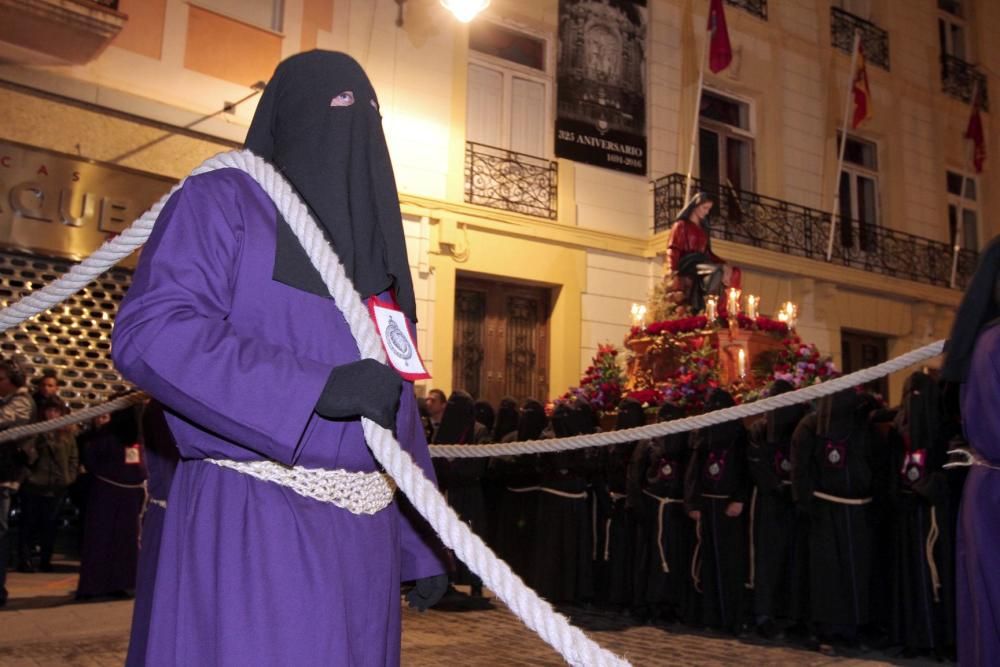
694	270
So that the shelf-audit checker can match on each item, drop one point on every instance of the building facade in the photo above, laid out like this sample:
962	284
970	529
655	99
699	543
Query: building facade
523	261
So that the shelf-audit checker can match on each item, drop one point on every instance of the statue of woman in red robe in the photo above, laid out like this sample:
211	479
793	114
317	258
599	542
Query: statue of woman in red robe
695	270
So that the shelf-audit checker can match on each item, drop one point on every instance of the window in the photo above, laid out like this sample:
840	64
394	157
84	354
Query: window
725	143
859	351
262	13
860	8
963	211
508	90
859	209
951	28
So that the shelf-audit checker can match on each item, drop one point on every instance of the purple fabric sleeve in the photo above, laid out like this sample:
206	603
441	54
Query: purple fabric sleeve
172	337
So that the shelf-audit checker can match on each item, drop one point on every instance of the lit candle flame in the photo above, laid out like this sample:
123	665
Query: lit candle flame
741	361
711	308
638	315
752	302
733	304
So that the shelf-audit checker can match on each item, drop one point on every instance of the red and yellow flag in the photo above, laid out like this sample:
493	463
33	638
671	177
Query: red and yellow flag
859	89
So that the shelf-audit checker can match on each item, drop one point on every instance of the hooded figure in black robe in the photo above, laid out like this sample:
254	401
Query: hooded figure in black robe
506	419
832	482
923	593
616	525
716	488
110	553
664	536
460	479
780	550
520	476
562	551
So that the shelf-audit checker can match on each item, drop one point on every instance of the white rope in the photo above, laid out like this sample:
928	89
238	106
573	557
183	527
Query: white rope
554	628
697	421
28	430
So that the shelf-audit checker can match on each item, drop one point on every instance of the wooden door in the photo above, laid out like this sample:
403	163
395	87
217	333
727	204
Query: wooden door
501	343
863	350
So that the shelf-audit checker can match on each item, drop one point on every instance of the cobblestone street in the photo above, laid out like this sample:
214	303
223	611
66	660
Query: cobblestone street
42	626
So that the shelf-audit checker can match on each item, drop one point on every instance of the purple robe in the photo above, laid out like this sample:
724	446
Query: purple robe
978	551
111	533
250	572
161	461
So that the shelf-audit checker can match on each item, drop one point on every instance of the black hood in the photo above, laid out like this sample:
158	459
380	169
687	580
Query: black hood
978	308
630	415
532	421
837	414
458	421
781	422
318	123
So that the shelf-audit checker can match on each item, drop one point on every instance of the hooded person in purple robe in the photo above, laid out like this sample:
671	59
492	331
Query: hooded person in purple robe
973	361
230	327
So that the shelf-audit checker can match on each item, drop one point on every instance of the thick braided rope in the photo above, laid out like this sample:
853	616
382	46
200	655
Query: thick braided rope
698	421
575	647
19	432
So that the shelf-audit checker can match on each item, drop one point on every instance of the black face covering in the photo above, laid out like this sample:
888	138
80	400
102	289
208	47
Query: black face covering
979	307
630	415
532	421
837	414
724	434
669	412
485	414
458	420
920	416
506	419
781	422
318	123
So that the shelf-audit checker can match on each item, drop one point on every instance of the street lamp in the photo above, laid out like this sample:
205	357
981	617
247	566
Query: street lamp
465	10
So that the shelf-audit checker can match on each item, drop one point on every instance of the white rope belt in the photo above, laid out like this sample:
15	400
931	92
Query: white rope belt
356	492
158	502
663	501
615	497
140	485
969	458
714	496
582	495
841	501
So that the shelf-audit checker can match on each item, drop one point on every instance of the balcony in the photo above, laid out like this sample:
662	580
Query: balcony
959	79
756	7
57	32
511	181
771	224
874	40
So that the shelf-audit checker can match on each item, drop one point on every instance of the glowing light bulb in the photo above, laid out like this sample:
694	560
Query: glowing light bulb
465	10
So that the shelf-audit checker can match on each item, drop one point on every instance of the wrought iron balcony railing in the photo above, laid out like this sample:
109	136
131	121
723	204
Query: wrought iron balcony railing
874	40
959	79
756	7
511	181
110	4
763	222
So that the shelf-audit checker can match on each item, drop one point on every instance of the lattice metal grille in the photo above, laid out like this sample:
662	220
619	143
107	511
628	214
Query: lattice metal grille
73	338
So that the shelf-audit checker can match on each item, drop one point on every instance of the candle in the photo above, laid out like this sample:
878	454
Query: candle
733	303
741	361
638	315
791	312
711	308
752	303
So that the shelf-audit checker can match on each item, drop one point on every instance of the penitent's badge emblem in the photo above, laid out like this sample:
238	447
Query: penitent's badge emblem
714	470
786	465
397	339
667	471
913	474
834	456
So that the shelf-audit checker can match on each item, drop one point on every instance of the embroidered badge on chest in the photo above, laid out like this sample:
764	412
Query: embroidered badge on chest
913	465
666	470
716	465
836	454
133	455
400	348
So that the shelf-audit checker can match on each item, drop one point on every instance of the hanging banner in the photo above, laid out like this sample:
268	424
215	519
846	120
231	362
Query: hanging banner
601	116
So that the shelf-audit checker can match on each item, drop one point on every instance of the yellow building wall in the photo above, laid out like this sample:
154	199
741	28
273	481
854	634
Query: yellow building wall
143	32
500	257
228	49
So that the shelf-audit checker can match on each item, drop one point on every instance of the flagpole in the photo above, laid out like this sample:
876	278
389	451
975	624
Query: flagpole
843	145
697	115
960	223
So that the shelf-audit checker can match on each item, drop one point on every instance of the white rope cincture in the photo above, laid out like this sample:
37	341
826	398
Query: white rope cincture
697	421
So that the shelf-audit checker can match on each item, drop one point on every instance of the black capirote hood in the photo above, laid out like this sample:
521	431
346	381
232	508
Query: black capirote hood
318	123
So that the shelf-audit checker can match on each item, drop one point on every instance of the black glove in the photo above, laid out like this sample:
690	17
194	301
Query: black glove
427	592
362	388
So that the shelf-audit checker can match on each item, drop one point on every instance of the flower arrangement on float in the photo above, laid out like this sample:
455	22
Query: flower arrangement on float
802	365
602	382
